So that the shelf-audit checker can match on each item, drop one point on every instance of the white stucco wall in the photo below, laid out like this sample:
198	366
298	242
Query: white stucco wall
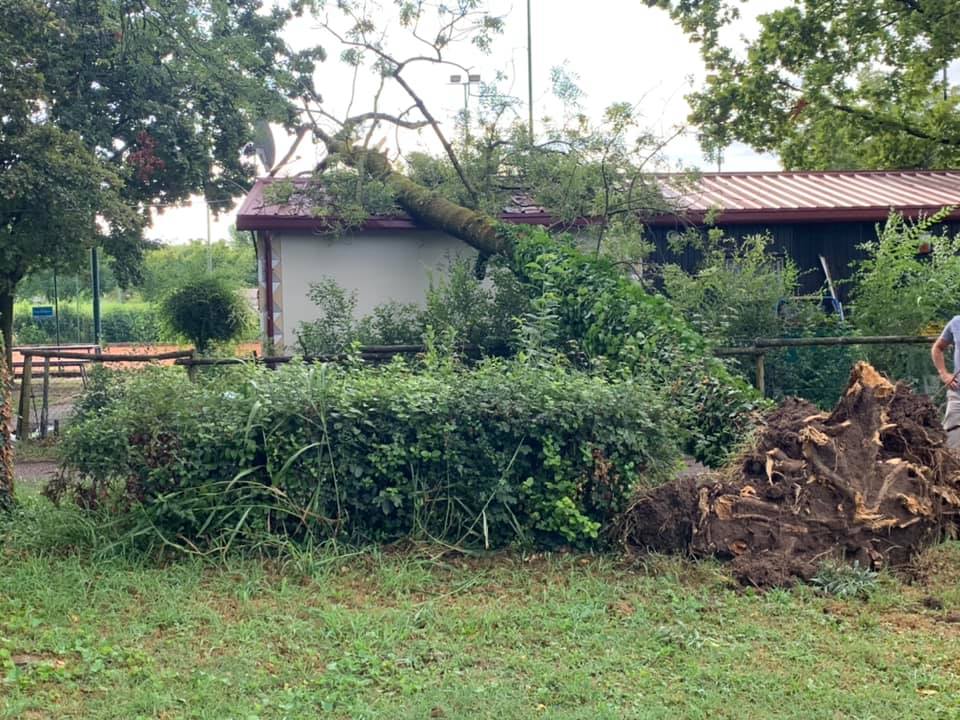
380	266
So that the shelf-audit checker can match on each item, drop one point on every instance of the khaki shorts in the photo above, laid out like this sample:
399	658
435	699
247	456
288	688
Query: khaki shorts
951	420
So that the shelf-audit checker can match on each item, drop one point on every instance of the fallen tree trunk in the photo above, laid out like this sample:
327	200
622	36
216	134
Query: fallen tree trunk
477	229
871	482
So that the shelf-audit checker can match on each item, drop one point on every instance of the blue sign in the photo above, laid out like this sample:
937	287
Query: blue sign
42	312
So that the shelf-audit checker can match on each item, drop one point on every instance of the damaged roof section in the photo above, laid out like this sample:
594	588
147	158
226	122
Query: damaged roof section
302	211
727	197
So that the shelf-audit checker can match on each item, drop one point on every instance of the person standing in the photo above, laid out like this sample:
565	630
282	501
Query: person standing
951	419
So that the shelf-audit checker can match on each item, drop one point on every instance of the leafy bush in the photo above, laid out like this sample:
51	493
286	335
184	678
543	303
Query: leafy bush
599	316
740	292
335	328
457	306
391	323
735	292
477	313
498	454
206	310
819	373
898	291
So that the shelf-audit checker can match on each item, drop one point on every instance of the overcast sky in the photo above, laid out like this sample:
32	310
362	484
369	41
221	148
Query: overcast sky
620	51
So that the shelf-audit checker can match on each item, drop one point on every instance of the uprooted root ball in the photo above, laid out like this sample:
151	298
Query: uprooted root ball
871	482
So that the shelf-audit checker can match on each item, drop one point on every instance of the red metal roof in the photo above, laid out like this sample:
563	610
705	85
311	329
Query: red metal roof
734	197
777	197
299	212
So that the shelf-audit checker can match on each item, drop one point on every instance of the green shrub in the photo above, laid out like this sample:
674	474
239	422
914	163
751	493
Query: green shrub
502	453
818	373
206	310
482	314
898	291
128	322
598	316
335	328
738	293
457	306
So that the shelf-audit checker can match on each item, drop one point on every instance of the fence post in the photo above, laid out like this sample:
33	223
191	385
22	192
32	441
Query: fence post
45	407
23	419
191	367
760	373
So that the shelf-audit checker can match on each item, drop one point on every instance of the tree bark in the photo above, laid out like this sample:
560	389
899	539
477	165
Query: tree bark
6	445
6	325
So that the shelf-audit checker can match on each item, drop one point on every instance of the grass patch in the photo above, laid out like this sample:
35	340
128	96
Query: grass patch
414	635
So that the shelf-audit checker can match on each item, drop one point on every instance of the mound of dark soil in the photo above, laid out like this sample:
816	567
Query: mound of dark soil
871	482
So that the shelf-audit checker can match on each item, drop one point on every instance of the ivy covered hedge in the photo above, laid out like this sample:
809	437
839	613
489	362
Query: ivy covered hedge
506	452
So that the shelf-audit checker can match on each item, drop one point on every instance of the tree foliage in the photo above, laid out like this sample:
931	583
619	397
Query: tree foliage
840	84
165	266
109	107
899	290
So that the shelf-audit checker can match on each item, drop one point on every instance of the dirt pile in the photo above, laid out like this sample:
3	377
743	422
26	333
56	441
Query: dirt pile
871	482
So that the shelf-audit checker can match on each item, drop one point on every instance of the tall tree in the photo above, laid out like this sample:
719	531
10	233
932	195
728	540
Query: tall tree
109	108
603	167
831	83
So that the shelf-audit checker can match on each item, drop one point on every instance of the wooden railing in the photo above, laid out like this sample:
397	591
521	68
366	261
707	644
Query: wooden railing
67	356
761	346
379	353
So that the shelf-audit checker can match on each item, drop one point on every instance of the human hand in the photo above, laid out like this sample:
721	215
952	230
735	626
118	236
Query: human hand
951	381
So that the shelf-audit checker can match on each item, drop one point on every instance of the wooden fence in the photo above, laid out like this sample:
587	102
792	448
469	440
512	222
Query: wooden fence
761	346
61	357
372	353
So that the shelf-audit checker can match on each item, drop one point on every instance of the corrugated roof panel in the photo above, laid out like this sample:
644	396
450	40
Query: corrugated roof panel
816	195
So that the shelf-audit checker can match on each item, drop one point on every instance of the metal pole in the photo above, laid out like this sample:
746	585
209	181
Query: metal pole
56	305
23	417
95	270
45	406
530	70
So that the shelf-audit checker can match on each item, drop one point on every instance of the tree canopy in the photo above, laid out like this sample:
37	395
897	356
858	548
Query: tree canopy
113	107
830	84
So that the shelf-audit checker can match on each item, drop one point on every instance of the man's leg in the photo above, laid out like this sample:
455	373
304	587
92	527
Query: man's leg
951	420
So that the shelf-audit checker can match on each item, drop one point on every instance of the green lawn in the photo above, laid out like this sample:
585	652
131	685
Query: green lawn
410	635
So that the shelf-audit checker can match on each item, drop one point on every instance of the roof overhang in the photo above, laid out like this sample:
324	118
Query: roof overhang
784	216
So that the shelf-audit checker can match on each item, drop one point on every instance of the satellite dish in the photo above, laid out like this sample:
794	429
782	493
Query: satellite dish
263	144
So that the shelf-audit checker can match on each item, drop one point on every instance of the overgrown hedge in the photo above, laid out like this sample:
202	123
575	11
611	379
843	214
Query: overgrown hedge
502	453
133	322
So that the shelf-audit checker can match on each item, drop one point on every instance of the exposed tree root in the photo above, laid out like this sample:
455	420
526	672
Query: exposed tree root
871	482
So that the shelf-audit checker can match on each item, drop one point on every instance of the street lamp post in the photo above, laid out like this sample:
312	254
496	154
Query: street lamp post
471	79
530	71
